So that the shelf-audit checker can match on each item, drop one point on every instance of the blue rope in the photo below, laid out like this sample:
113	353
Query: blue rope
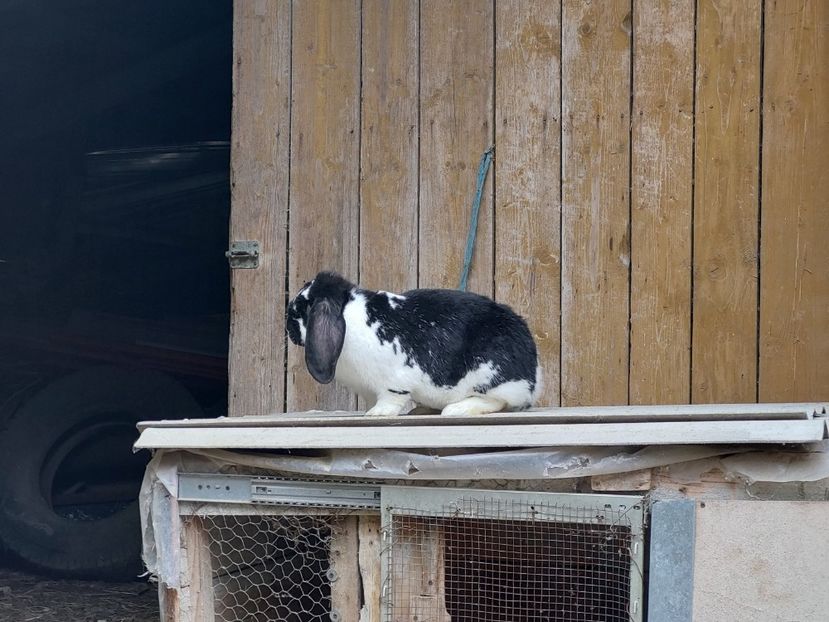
483	169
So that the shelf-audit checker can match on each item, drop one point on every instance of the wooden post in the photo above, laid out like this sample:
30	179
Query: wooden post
197	573
369	556
345	571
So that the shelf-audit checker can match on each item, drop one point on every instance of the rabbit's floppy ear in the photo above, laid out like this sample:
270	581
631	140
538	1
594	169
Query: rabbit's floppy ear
324	338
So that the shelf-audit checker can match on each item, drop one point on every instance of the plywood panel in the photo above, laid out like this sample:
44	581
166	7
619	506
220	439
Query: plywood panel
794	274
259	193
724	348
325	145
389	135
456	78
595	201
527	173
661	172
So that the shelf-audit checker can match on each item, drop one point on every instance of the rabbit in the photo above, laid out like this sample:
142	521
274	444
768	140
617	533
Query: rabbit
452	351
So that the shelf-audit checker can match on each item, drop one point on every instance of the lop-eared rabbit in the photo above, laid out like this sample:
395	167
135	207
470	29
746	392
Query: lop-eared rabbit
457	352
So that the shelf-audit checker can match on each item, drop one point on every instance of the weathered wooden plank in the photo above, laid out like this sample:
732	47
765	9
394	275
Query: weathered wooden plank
197	580
370	553
529	435
724	349
259	198
794	279
617	482
389	136
527	172
661	165
324	166
456	66
595	201
345	570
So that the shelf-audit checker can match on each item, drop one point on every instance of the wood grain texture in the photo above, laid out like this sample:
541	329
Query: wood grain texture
527	173
595	202
197	583
259	199
794	272
325	130
456	60
724	349
344	557
370	554
389	135
661	183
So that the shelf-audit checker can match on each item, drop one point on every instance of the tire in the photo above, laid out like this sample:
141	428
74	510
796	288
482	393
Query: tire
67	423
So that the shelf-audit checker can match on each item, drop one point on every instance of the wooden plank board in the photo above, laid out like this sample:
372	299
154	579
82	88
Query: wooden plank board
259	197
389	146
456	104
527	169
344	553
585	414
325	145
596	51
458	436
661	169
794	280
724	349
197	579
370	553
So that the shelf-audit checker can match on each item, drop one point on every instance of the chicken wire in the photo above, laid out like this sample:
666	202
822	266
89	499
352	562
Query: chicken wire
268	568
515	561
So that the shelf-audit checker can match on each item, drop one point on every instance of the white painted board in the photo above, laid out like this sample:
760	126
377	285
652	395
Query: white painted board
530	435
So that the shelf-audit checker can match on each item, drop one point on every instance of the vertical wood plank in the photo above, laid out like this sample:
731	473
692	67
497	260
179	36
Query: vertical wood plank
369	555
661	165
527	173
344	556
197	584
456	53
389	135
259	196
794	273
595	201
724	349
324	167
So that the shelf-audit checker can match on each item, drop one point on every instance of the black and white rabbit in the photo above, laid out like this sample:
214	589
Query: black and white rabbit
457	352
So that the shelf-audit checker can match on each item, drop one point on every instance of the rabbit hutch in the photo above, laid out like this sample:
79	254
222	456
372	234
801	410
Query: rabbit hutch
673	274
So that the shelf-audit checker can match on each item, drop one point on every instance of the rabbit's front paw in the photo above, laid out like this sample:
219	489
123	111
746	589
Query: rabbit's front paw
385	408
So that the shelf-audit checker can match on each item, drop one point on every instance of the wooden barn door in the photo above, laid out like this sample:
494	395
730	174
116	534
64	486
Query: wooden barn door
657	209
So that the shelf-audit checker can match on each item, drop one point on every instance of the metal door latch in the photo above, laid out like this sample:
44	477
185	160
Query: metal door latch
243	254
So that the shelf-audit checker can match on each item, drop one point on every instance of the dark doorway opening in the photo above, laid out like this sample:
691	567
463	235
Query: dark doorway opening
113	226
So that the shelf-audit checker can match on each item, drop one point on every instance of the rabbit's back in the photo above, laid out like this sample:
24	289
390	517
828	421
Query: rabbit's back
438	346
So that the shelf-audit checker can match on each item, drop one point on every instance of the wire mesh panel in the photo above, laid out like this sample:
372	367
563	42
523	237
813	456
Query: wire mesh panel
495	557
267	568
